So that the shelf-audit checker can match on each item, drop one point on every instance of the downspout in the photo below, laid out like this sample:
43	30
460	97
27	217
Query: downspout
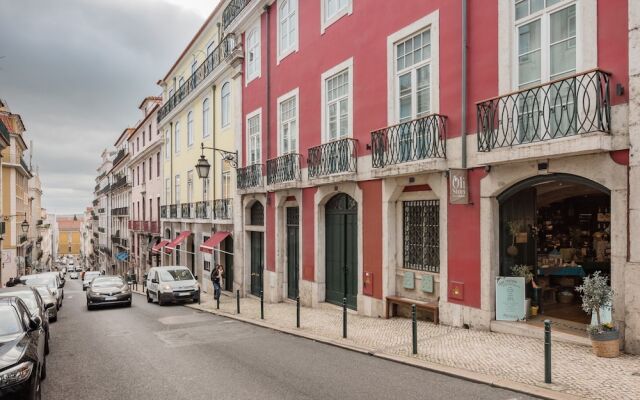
213	132
267	8
171	145
463	114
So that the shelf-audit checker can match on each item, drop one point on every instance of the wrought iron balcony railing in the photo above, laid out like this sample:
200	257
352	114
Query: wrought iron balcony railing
121	154
187	210
163	212
101	229
120	211
203	209
151	226
285	168
232	10
213	60
135	225
249	176
173	211
222	208
120	181
334	157
413	140
573	105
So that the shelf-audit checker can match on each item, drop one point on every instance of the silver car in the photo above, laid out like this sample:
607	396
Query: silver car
51	280
88	277
48	297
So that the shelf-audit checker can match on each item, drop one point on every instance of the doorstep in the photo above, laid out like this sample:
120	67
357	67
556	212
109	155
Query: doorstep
537	332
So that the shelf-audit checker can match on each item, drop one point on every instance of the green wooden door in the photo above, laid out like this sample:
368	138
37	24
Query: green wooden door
293	251
257	262
228	264
341	250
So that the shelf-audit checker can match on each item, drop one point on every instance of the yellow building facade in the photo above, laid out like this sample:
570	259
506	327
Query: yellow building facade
69	238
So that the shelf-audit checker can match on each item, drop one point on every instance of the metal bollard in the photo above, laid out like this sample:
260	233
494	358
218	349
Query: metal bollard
547	351
297	311
238	300
199	296
261	304
344	317
414	328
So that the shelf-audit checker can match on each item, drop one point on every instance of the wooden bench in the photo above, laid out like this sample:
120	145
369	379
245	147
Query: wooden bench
393	302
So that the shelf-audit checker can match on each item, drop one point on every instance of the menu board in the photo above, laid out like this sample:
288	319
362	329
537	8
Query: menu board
510	298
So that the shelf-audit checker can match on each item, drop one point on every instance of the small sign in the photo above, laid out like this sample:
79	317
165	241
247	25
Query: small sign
427	283
458	186
409	280
510	298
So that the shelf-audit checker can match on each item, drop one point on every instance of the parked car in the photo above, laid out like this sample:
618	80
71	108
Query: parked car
52	280
171	284
88	277
74	275
48	297
22	354
108	290
33	301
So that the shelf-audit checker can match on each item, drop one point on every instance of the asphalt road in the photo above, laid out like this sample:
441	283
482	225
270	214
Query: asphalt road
174	352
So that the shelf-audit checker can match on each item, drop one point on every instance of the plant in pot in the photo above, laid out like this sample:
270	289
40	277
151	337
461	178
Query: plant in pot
596	294
524	271
514	229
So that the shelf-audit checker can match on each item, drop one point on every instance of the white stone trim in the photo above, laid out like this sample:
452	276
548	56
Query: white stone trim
257	112
348	65
293	93
325	23
282	53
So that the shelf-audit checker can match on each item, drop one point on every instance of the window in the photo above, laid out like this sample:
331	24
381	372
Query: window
150	209
225	100
337	105
288	126
332	10
190	129
137	182
149	133
150	164
176	138
413	82
253	140
167	144
253	53
194	66
205	118
138	143
226	184
180	82
210	48
421	235
189	186
177	190
287	27
144	174
143	139
158	165
205	189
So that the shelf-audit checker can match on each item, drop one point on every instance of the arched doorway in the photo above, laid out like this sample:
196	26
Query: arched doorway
559	226
341	250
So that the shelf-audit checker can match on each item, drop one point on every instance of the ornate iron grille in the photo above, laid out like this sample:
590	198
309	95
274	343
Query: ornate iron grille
421	236
173	211
121	211
257	214
249	176
121	154
203	210
284	169
222	208
568	106
186	210
163	211
232	10
332	158
413	140
293	216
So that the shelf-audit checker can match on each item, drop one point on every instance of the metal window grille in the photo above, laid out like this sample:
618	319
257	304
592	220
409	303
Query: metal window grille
421	235
293	216
257	214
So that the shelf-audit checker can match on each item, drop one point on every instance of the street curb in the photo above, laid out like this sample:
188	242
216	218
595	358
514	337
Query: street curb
467	375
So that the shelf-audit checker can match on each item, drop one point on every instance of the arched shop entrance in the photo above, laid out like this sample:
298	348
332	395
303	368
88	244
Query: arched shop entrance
559	226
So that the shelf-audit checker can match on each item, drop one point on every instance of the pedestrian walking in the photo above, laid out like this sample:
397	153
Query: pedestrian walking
216	277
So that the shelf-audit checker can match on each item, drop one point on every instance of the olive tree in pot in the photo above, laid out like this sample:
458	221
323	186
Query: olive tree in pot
596	293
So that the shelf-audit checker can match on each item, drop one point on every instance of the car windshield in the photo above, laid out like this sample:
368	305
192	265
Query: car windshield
89	275
26	295
175	275
107	282
9	323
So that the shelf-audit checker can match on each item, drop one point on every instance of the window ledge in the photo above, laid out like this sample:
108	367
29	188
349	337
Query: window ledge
327	23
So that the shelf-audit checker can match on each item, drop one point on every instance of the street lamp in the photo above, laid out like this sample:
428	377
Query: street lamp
24	226
203	165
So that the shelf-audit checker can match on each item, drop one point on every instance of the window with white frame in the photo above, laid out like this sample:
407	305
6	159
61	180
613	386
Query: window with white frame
253	139
190	186
335	8
190	128
226	184
253	53
337	105
176	137
413	76
225	103
177	189
205	117
167	191
194	66
287	27
289	125
205	189
167	144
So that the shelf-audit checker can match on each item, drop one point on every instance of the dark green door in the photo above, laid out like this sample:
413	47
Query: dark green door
228	264
341	250
257	262
293	251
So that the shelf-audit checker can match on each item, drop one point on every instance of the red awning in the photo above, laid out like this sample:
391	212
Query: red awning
159	246
209	244
172	246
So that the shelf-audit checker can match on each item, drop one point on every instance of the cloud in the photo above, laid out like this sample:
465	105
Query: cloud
76	70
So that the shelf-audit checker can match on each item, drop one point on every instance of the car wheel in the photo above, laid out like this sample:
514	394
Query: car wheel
43	371
89	307
129	303
149	299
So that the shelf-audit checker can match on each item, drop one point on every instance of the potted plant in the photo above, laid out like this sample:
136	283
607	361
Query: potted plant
514	229
596	293
524	271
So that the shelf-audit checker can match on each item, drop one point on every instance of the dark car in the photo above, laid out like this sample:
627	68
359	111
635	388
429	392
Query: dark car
34	303
22	360
108	290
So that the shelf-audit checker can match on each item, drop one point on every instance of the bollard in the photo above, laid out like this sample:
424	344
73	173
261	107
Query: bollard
261	304
547	351
344	317
238	300
199	296
298	312
414	330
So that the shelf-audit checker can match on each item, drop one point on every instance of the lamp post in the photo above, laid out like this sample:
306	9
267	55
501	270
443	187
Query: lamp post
203	165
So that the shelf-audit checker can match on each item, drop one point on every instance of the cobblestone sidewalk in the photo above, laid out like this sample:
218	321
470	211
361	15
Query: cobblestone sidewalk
576	371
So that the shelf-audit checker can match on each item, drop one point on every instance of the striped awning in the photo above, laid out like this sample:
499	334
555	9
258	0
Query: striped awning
176	242
213	241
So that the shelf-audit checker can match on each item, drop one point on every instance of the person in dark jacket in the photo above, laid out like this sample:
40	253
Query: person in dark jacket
216	278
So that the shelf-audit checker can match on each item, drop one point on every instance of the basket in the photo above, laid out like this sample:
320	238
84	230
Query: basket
606	348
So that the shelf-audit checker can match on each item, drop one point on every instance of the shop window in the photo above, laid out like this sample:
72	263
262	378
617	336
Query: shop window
257	214
421	235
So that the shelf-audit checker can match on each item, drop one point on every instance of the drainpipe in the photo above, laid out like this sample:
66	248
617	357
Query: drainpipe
171	145
267	8
463	114
213	164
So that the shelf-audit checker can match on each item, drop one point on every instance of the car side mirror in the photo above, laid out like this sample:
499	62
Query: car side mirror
154	280
195	277
35	323
48	305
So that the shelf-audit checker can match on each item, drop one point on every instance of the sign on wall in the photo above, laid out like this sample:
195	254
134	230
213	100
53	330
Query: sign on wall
458	186
510	298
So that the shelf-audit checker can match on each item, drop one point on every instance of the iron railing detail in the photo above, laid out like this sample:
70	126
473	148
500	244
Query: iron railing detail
222	208
213	60
163	212
249	176
121	154
203	210
421	235
232	10
569	106
173	211
101	229
418	139
119	181
334	157
285	168
187	210
120	211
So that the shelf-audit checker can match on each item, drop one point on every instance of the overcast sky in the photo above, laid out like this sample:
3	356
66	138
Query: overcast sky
76	70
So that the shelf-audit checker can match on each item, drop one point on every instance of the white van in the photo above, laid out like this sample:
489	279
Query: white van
170	284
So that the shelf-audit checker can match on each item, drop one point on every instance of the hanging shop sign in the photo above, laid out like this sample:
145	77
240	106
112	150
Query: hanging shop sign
510	298
458	186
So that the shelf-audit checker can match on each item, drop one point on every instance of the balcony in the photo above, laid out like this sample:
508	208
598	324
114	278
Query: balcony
187	210
224	50
336	157
285	168
173	211
95	217
249	177
95	235
163	212
135	225
151	226
115	239
120	211
121	154
119	182
418	139
203	210
232	10
101	229
222	209
571	115
101	210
